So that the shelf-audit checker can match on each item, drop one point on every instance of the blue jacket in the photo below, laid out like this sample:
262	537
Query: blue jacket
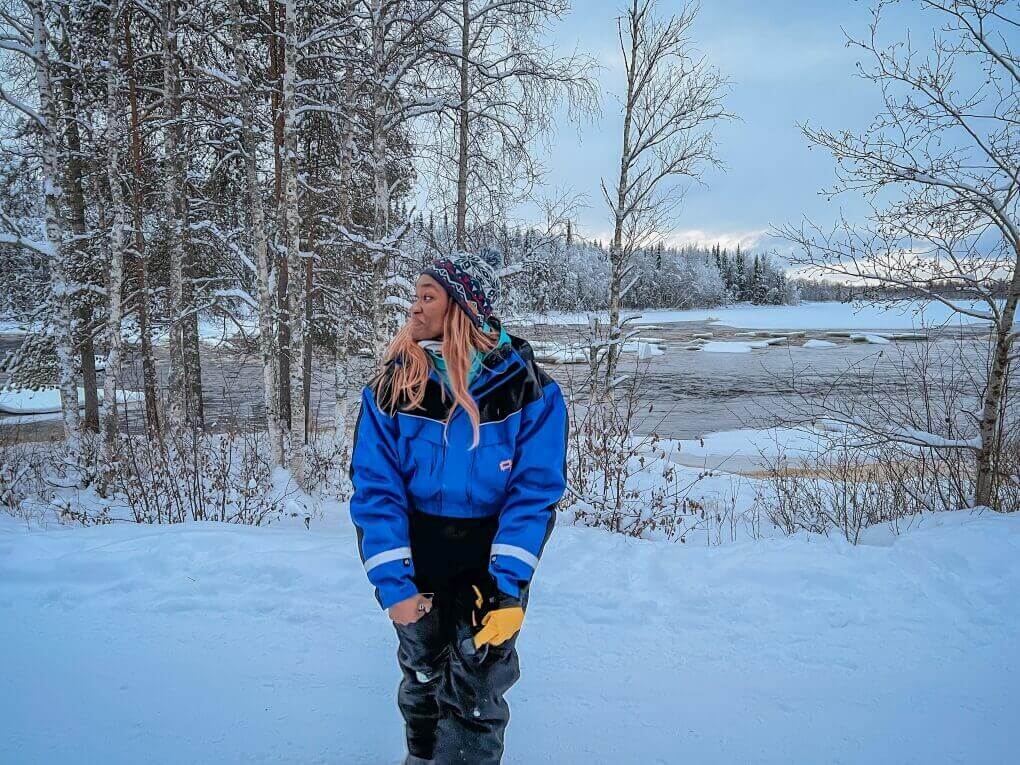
406	460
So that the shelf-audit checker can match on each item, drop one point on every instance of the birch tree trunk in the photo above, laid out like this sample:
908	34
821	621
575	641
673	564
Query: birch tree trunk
462	130
342	319
115	134
53	191
991	409
617	255
292	219
257	232
278	253
382	258
178	410
76	210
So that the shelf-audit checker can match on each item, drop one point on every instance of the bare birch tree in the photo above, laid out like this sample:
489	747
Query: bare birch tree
296	292
940	167
673	100
402	39
115	138
28	35
508	83
257	234
180	410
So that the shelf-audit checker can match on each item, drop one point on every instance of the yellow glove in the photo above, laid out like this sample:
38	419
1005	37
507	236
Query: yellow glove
499	626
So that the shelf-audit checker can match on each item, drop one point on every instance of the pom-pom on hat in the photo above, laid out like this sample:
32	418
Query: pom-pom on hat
471	280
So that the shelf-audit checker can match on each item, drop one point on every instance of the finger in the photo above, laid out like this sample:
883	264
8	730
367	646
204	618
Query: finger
485	635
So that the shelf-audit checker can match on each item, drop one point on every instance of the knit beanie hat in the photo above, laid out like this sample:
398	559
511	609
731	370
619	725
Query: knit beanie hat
471	280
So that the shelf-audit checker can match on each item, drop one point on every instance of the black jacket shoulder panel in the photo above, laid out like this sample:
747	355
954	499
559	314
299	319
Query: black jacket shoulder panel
435	405
527	353
525	385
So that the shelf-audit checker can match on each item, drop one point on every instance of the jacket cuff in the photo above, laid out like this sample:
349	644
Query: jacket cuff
391	595
508	586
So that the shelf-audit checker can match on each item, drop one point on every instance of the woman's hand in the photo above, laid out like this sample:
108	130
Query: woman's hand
411	610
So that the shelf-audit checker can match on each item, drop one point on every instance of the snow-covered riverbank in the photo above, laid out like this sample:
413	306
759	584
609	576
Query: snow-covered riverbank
210	643
903	315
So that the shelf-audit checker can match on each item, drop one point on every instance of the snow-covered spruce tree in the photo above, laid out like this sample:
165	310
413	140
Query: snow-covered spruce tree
940	166
503	84
672	100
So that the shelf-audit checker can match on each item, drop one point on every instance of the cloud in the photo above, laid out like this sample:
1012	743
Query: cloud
755	239
746	240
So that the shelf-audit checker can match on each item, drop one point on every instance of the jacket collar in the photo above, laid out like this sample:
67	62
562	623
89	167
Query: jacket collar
496	365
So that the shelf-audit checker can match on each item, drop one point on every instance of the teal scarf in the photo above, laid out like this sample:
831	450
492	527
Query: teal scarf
434	349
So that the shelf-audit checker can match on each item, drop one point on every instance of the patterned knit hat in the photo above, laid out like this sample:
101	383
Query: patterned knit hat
471	280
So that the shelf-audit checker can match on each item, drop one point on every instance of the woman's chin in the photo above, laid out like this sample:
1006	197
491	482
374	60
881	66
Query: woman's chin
419	333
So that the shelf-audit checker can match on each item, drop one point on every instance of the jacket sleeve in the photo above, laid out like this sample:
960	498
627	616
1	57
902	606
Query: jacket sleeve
379	505
538	478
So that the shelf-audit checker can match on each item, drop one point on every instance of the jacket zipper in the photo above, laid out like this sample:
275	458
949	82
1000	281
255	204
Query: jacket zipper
500	379
442	473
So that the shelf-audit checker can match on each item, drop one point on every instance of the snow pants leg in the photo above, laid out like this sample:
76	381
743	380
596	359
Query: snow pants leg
452	702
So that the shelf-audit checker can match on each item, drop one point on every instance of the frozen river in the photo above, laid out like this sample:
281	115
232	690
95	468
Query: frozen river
725	385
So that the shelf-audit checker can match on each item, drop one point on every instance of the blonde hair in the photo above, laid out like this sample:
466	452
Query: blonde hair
461	337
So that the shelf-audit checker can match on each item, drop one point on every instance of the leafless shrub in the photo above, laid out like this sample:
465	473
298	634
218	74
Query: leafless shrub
187	475
329	455
849	490
914	405
618	479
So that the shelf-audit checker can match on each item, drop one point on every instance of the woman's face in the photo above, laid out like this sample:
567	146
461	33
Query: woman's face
428	307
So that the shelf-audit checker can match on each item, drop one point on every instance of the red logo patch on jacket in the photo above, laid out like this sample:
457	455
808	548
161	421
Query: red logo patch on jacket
506	465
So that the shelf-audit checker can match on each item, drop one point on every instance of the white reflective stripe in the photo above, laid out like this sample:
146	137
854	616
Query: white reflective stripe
385	557
496	422
515	552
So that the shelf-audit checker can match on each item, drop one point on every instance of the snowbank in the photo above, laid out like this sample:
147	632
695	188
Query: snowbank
12	328
208	643
48	400
747	449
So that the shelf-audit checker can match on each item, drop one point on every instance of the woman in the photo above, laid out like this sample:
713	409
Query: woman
459	461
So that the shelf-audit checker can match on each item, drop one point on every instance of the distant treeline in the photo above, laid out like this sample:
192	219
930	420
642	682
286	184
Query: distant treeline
557	271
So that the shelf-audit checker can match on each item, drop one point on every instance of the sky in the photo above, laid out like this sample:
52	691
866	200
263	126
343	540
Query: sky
787	63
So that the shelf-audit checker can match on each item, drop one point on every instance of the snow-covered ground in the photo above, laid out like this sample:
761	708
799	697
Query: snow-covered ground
904	315
208	643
